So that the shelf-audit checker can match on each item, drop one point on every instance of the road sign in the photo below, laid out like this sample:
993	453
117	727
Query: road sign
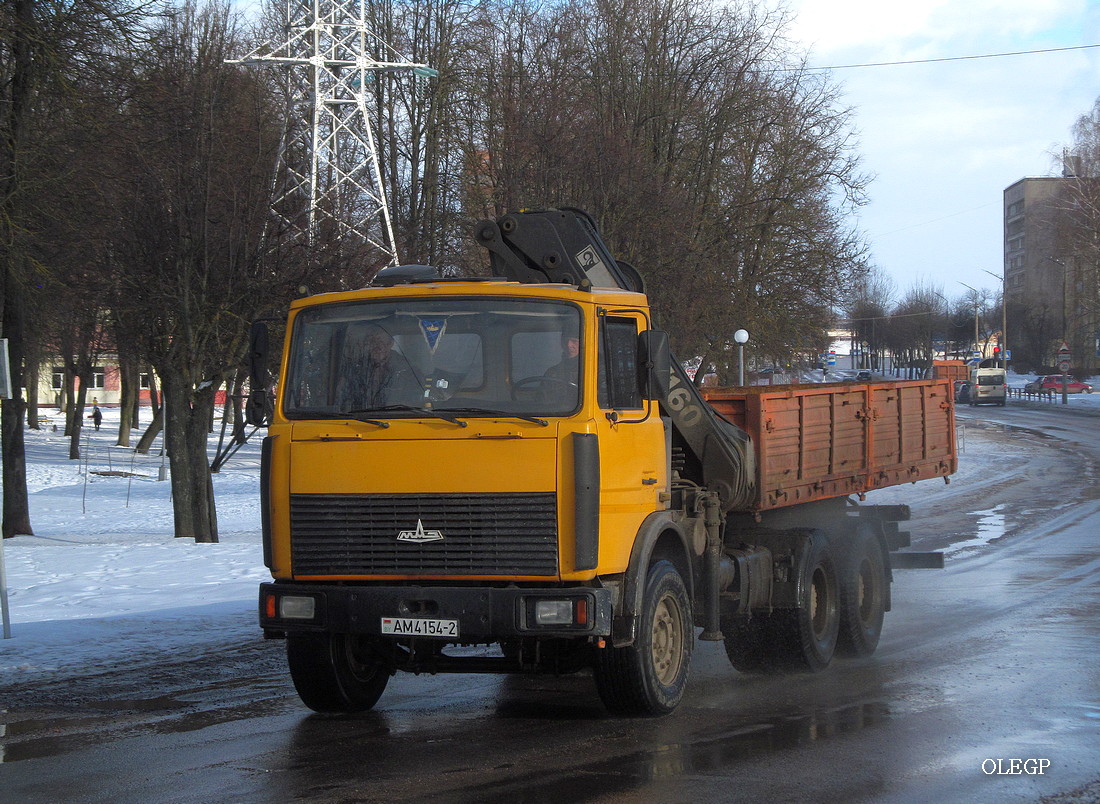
1063	366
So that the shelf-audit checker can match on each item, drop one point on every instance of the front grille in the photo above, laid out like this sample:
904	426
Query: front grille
483	534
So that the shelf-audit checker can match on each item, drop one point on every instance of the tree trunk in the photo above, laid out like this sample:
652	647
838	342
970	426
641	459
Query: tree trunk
32	393
17	512
68	395
151	432
154	398
128	397
186	430
236	396
77	420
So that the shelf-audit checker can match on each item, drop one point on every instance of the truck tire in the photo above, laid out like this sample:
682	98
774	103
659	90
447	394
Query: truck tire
749	644
649	677
805	638
792	640
863	589
335	672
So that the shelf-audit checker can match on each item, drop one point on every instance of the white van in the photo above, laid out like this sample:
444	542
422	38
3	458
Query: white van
988	386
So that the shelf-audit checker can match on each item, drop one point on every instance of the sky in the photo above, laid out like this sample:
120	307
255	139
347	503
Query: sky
945	139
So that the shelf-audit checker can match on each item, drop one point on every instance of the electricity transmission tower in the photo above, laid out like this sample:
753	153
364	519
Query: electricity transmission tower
330	174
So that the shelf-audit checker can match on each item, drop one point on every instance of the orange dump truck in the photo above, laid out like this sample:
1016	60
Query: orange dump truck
512	475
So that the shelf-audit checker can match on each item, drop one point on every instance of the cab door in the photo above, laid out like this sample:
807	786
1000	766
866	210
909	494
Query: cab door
633	458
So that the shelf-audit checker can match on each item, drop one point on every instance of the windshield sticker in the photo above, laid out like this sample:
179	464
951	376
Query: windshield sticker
433	329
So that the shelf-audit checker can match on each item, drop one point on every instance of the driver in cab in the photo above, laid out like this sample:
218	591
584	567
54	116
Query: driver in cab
374	374
568	369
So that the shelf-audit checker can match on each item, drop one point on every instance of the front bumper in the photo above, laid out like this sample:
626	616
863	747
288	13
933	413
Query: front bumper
484	614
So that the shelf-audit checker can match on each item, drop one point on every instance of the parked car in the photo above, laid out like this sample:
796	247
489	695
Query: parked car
962	391
1053	382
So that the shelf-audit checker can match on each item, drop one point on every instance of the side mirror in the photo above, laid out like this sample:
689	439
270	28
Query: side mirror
654	363
255	407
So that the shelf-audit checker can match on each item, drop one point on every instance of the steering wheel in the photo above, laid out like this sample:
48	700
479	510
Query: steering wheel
533	389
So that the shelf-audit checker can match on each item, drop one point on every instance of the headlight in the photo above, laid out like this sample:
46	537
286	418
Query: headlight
573	613
554	612
295	607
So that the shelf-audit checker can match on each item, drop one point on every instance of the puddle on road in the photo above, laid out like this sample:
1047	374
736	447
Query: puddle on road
990	526
622	774
37	737
1092	711
44	736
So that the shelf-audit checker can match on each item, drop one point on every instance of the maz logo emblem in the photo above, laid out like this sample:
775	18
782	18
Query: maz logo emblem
419	535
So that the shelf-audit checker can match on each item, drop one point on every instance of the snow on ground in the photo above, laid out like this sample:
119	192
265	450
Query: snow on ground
103	576
104	579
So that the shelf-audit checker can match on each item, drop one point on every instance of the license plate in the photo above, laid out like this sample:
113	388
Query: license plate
416	626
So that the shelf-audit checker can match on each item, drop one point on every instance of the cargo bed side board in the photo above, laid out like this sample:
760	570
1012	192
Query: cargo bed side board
815	442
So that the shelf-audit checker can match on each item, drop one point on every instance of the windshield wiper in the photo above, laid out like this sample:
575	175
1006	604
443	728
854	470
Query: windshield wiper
340	414
357	415
403	408
506	413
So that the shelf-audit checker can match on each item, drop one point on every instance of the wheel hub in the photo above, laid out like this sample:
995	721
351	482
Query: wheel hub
668	640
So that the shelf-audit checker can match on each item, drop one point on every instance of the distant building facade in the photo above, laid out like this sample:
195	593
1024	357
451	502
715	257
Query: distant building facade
1050	296
105	387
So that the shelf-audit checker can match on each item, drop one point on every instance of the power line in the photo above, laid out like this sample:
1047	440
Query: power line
953	58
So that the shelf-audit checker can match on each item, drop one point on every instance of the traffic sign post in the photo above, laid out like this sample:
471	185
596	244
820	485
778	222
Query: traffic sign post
1064	363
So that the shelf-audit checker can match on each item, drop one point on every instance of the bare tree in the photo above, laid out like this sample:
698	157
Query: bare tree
914	324
868	308
1076	229
715	164
45	50
194	264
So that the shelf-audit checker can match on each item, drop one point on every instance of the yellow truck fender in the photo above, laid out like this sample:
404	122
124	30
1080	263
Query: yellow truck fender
659	536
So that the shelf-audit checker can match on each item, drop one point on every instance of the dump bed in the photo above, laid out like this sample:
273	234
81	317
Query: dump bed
818	441
951	370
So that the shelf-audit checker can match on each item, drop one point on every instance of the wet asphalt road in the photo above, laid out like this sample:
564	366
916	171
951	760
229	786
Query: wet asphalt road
991	660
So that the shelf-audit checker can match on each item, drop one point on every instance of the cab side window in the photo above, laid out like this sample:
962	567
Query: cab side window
618	369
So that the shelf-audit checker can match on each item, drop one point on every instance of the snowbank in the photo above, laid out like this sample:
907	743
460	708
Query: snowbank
103	576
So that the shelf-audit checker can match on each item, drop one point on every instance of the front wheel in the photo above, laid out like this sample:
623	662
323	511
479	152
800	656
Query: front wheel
649	677
336	672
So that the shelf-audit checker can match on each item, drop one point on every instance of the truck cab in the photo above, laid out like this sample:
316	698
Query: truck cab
470	461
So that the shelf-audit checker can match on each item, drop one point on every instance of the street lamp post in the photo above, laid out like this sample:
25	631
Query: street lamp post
1004	316
741	337
977	294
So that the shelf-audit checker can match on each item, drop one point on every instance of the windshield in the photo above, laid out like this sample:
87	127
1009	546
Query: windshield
398	358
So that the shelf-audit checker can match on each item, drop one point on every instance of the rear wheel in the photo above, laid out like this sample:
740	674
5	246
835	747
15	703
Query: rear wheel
649	677
806	637
749	644
336	672
792	640
863	589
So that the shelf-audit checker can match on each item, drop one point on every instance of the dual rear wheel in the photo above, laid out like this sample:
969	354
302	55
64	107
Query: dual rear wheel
840	609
